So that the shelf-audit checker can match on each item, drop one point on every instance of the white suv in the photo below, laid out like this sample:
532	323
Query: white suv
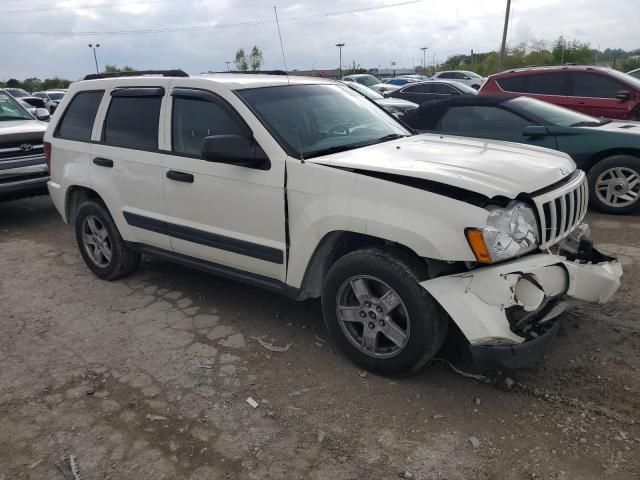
470	79
305	187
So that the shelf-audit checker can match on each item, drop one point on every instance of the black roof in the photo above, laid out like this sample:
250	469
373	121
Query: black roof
427	116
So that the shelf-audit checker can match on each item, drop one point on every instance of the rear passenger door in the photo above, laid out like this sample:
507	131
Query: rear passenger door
595	94
229	215
126	164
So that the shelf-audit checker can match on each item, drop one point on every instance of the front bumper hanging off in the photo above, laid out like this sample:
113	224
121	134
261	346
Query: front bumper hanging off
506	311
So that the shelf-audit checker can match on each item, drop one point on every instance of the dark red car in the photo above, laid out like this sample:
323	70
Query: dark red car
596	91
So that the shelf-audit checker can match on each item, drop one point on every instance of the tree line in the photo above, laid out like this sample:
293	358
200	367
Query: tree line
540	53
35	84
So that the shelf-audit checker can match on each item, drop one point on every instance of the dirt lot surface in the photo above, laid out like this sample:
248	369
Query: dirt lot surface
148	378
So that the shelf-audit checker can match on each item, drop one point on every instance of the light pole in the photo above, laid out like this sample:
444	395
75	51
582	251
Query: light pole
424	59
97	45
340	45
504	33
227	65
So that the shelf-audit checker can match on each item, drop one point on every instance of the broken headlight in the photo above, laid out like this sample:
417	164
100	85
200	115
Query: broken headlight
509	232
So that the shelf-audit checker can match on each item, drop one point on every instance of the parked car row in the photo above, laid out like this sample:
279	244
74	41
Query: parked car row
48	99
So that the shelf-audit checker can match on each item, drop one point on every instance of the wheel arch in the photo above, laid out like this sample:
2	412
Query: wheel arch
597	157
337	244
75	196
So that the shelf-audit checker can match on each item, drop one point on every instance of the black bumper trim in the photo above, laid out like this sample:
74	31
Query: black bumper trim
512	357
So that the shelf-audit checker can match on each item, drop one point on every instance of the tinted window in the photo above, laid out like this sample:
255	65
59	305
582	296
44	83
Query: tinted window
446	75
77	122
482	121
443	89
133	122
193	120
420	88
595	86
552	83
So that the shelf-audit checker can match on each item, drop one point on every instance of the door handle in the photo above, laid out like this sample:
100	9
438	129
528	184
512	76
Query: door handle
103	162
180	176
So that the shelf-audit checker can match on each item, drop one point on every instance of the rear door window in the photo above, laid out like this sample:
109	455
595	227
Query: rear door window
132	121
587	84
77	120
443	89
420	88
552	83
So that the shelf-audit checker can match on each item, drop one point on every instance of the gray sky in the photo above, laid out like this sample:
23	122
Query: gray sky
373	38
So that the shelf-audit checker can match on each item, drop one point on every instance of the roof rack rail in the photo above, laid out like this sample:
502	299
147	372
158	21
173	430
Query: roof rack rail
258	72
164	73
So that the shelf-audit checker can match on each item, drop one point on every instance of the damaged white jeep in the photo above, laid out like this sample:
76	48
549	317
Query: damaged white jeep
307	188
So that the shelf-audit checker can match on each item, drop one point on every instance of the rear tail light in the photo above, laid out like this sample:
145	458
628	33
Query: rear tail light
47	154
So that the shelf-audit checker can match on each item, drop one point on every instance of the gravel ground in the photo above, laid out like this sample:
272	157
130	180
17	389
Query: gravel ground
148	378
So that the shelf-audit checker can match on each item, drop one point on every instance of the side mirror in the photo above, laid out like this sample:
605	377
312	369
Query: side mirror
43	114
234	150
535	131
623	95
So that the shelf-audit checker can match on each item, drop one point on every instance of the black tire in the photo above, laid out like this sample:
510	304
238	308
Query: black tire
400	272
627	162
123	260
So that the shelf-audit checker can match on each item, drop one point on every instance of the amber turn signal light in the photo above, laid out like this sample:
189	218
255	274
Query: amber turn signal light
478	246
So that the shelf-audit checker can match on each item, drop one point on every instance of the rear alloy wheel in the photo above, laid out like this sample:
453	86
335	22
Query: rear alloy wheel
615	184
378	314
100	243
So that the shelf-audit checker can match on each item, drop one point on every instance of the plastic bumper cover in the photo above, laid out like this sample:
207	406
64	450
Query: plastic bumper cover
539	286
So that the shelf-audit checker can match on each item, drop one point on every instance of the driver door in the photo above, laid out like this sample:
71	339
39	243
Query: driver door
230	215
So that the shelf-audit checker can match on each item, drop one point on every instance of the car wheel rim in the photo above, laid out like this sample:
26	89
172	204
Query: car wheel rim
372	316
96	241
618	187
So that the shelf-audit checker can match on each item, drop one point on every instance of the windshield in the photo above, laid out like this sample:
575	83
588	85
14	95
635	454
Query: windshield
367	80
552	114
366	91
633	81
12	110
56	95
315	120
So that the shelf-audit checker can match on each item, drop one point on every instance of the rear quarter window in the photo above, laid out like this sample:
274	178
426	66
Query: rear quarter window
77	120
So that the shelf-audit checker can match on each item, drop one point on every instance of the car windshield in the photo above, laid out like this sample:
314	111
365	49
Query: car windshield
472	74
366	91
11	109
367	80
17	92
629	79
315	120
553	114
56	95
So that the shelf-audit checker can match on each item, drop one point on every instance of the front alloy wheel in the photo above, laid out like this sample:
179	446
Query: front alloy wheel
378	314
372	316
614	184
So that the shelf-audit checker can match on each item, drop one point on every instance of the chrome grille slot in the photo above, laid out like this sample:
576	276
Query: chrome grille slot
561	210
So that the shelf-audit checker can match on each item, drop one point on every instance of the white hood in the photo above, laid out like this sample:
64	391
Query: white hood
488	167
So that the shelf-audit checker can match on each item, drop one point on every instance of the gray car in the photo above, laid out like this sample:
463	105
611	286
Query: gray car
23	169
395	106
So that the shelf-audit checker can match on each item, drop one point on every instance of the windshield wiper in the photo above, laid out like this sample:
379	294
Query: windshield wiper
391	136
334	149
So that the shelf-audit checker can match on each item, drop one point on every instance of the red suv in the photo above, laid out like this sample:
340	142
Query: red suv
601	92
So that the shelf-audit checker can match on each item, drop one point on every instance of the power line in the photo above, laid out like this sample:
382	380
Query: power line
82	7
193	28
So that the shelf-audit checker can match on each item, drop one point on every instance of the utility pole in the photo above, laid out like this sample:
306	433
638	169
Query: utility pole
228	63
424	59
433	67
473	62
504	33
340	45
95	58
